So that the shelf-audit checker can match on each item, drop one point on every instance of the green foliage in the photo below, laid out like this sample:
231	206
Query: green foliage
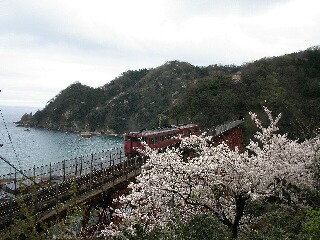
277	222
200	227
312	224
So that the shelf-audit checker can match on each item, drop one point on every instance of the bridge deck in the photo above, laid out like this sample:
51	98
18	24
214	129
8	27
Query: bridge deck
46	202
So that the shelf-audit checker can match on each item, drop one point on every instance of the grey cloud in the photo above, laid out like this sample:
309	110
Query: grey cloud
48	28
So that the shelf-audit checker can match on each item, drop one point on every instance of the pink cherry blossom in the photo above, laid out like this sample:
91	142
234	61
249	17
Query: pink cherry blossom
216	179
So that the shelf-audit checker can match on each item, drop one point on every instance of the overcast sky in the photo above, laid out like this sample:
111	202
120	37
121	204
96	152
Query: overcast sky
47	45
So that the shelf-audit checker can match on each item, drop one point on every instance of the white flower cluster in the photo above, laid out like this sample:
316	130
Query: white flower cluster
215	178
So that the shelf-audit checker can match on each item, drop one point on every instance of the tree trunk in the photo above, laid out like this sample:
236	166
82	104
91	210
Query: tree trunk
240	204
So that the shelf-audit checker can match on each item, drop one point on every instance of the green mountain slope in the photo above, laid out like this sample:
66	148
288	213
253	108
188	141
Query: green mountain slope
178	92
289	84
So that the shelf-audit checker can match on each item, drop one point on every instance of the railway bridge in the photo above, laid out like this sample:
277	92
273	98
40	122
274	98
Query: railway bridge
85	179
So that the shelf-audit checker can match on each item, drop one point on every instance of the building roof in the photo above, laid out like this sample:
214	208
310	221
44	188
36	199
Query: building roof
161	130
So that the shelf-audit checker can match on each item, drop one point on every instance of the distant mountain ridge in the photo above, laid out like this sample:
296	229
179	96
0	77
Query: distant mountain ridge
178	92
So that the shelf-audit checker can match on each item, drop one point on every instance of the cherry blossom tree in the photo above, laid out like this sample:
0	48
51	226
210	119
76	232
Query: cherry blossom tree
216	179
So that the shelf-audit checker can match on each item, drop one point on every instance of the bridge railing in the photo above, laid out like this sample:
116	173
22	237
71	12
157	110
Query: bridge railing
60	171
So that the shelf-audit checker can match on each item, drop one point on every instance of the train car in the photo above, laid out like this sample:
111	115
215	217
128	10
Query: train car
230	133
156	138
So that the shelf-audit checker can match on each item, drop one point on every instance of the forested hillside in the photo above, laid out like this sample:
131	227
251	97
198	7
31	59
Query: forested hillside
289	84
178	92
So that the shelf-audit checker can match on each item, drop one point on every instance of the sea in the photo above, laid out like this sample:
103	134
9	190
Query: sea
28	147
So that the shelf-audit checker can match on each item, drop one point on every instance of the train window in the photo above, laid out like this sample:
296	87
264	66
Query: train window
127	138
130	138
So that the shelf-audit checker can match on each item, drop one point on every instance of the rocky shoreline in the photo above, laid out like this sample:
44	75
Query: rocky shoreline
26	121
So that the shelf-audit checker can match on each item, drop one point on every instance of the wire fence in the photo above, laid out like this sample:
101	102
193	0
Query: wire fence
60	171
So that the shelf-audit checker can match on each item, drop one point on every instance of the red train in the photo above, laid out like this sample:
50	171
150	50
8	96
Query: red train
157	138
230	133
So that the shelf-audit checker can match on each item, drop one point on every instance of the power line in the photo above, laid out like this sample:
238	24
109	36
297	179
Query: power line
18	170
15	152
10	138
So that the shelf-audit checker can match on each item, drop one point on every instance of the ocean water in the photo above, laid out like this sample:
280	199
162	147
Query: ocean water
37	147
